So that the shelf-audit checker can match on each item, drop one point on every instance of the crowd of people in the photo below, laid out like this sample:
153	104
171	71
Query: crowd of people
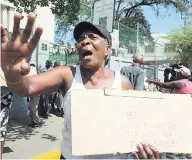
41	106
93	46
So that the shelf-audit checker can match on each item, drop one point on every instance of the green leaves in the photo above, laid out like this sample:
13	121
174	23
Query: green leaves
70	8
183	40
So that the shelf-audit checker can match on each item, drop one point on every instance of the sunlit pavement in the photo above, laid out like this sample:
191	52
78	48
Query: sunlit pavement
24	142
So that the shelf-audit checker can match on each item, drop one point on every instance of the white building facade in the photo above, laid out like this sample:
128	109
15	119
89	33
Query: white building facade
159	50
45	19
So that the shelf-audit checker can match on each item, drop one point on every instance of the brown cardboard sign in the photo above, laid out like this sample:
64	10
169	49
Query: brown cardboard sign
110	121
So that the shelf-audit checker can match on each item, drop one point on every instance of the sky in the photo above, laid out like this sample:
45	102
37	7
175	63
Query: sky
164	23
167	20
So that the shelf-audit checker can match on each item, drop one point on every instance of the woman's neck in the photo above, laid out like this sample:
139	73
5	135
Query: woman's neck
95	73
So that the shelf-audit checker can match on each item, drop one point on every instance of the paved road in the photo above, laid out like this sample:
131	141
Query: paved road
24	142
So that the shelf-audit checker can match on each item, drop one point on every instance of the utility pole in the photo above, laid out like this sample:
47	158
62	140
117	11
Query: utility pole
155	61
138	26
185	20
155	58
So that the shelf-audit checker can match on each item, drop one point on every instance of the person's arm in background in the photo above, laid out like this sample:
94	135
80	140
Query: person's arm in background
168	85
140	81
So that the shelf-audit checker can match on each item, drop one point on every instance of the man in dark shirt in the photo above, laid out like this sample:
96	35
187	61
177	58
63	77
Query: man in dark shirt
45	100
135	73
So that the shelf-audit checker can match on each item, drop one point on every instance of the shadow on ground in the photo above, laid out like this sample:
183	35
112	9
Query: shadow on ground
49	137
7	150
20	130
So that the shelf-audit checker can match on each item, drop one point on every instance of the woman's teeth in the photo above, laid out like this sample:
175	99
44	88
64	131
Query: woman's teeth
87	57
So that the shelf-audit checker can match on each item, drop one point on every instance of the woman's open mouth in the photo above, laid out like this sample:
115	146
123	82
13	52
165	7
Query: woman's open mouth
86	54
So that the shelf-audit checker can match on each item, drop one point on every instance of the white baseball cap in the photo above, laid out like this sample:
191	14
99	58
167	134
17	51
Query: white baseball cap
184	71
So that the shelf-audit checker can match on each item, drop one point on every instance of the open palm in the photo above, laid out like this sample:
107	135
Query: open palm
16	51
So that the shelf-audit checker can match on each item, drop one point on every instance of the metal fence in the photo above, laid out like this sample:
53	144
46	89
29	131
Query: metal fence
64	58
66	55
127	39
133	41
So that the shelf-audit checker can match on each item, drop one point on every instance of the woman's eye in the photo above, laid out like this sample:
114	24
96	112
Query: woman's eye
93	37
80	39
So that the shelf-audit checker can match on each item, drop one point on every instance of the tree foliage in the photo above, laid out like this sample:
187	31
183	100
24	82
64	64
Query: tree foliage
68	7
182	42
130	13
64	23
128	7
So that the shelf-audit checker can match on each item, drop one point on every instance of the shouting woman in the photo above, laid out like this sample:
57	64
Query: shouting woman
93	47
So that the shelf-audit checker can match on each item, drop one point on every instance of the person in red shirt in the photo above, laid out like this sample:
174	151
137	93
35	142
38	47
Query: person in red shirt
181	85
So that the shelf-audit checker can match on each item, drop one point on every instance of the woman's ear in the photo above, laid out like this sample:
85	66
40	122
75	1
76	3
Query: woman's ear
108	50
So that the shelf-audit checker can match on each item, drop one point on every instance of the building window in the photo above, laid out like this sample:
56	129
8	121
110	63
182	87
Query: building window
149	48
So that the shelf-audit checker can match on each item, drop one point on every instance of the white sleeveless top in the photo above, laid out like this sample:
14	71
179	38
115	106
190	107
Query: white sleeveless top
66	146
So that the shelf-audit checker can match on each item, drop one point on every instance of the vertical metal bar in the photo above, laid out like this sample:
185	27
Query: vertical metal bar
137	38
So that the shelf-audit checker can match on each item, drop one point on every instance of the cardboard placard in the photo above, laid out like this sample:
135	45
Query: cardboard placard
110	121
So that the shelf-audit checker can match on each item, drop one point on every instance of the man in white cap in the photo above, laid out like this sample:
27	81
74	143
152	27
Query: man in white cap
181	85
